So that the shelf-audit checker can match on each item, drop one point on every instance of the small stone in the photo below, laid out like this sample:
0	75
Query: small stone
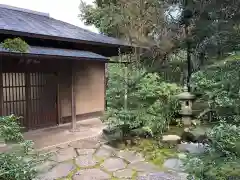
130	156
171	138
65	154
85	151
125	173
60	171
113	164
174	164
143	167
86	161
91	174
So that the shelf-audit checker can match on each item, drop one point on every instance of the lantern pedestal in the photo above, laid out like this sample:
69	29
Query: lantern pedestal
186	100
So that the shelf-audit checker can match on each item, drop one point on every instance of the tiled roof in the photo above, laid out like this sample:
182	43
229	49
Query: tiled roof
66	53
25	21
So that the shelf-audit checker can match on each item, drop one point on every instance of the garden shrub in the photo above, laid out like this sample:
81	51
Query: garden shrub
151	102
219	86
21	161
222	159
15	44
10	129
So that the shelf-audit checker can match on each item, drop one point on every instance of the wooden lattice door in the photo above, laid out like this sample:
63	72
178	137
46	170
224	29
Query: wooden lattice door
32	96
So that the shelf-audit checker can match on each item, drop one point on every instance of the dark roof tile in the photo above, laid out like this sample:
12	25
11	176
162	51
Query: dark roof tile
19	20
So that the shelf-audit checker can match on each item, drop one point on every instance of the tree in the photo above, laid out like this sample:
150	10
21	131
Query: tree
213	26
140	22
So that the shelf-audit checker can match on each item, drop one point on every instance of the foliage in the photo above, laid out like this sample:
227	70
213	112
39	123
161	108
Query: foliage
225	138
10	130
222	160
151	102
219	86
213	26
21	161
15	44
139	22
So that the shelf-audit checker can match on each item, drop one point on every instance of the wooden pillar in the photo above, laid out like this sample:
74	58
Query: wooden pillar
59	105
105	84
28	121
1	88
73	97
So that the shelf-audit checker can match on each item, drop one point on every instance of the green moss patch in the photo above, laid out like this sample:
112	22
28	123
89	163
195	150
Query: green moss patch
153	151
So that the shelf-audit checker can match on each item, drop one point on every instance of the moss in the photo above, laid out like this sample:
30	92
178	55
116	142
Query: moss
113	178
153	151
134	175
71	174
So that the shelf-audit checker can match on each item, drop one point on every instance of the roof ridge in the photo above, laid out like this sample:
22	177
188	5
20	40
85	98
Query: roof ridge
24	10
48	15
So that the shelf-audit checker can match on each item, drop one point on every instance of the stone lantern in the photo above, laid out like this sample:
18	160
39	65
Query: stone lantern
186	99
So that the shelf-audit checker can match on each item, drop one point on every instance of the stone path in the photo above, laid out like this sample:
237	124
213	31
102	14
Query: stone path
91	160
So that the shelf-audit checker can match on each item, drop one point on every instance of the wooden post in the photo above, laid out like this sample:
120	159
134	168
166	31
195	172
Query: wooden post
73	98
1	88
105	85
59	105
28	121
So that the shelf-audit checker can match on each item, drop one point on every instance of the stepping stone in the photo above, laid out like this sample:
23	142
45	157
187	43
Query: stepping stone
104	153
174	164
65	155
193	148
142	174
143	167
60	171
49	150
45	167
130	156
91	174
110	148
113	164
85	144
85	151
124	174
63	146
161	176
86	161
